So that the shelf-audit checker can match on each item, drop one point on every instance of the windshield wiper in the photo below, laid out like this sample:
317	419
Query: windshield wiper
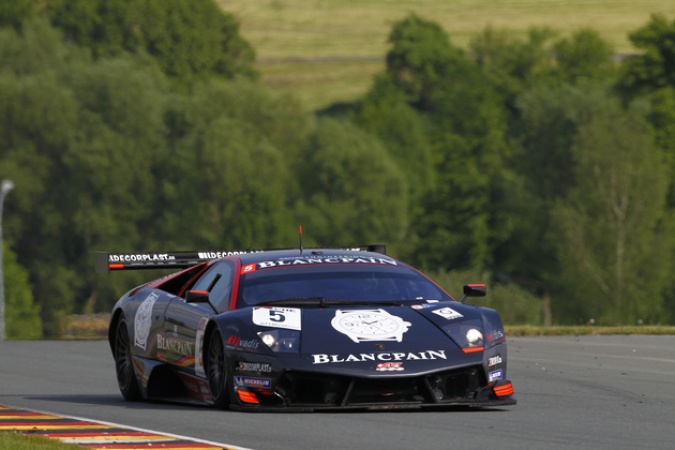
303	301
324	302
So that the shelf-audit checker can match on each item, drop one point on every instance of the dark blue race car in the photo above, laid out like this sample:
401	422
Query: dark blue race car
303	329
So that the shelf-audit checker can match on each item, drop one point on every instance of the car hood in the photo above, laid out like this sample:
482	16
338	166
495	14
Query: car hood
385	339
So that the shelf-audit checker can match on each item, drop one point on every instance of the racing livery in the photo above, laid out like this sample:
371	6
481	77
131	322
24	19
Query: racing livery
302	329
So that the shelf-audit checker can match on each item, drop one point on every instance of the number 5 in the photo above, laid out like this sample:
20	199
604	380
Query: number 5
277	316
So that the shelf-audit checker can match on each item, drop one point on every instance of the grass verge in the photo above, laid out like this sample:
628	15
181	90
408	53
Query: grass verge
585	330
82	327
15	441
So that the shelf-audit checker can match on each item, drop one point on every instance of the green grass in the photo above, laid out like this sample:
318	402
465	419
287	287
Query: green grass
343	42
528	330
16	441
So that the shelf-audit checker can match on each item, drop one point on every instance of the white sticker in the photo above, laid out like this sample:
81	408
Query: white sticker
277	317
366	325
143	321
448	313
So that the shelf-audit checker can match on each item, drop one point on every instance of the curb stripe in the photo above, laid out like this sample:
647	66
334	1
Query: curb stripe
95	435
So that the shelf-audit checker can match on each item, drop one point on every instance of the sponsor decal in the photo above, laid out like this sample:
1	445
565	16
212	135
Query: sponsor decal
215	255
497	359
174	345
496	375
368	325
496	336
389	367
253	382
247	269
447	313
274	317
306	260
236	342
141	257
143	320
429	304
254	367
427	355
199	347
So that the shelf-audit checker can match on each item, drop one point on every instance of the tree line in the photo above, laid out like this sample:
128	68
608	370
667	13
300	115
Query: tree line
542	166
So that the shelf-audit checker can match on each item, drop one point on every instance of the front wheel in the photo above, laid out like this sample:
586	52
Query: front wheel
126	377
216	370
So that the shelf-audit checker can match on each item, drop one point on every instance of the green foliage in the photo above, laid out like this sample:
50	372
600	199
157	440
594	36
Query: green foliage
353	192
13	12
421	59
227	197
512	64
654	68
611	225
22	315
585	55
515	304
189	39
466	125
385	113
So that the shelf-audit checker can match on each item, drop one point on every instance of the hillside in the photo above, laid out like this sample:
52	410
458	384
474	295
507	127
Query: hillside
325	51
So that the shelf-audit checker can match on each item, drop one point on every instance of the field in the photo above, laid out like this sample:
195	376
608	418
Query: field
326	51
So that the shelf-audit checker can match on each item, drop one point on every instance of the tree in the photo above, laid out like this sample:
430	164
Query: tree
612	225
189	39
22	315
463	118
353	193
510	64
231	185
654	68
585	55
421	60
385	113
12	13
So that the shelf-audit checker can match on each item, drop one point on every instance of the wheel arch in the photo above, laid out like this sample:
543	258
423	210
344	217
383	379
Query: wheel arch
112	328
212	325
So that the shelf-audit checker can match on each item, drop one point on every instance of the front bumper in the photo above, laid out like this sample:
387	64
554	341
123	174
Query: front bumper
306	391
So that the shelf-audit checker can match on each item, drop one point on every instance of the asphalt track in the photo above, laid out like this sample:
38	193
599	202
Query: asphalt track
596	392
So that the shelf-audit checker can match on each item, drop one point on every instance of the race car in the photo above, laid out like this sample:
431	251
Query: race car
302	329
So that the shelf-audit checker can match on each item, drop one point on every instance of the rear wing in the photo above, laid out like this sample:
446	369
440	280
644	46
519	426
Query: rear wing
107	262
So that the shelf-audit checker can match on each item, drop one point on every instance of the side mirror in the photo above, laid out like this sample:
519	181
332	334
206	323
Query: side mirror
197	296
473	290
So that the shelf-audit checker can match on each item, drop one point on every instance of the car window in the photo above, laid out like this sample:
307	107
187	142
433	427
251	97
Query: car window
218	281
372	284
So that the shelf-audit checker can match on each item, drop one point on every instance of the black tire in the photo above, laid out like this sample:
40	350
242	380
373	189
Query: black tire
126	376
216	370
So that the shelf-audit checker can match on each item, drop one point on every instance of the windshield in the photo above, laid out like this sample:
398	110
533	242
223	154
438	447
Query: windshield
372	284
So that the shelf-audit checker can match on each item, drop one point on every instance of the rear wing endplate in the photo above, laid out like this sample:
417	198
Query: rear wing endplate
107	262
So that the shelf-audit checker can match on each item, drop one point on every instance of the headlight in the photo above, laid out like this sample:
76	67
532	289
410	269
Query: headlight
467	334
474	337
281	341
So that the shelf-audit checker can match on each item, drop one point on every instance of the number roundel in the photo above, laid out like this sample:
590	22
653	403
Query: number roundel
274	317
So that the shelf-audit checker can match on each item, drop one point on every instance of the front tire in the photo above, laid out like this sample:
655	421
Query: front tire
126	376
216	370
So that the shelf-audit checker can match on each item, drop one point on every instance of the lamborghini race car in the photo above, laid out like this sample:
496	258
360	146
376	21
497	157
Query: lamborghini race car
302	329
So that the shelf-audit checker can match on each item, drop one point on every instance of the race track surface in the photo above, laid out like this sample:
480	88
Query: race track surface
596	392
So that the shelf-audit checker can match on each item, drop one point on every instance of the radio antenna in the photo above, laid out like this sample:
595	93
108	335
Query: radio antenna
300	230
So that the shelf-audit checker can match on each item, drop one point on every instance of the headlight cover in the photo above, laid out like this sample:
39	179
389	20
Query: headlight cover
468	335
281	340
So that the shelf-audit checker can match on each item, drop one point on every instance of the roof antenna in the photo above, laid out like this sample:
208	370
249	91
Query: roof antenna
300	229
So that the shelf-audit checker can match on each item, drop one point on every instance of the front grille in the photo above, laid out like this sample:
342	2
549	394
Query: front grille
309	389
